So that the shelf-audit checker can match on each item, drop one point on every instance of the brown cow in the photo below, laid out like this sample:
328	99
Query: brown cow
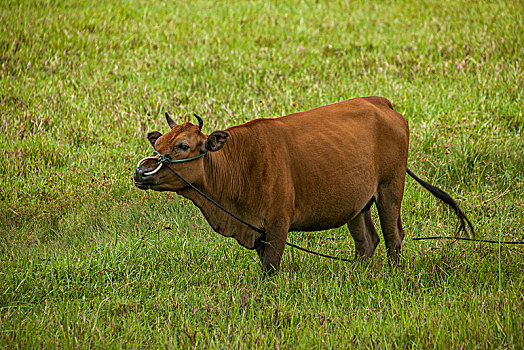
307	171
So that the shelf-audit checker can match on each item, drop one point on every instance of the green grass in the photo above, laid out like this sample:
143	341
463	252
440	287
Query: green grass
87	260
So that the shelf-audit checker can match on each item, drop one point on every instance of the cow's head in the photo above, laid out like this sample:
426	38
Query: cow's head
182	142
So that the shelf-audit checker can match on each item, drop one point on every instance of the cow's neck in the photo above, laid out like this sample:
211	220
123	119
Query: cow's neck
225	181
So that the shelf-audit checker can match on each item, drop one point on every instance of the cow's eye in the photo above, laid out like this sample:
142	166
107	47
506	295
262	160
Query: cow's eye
183	147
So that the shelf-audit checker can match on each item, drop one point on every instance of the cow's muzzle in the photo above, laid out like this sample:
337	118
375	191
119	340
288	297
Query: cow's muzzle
143	177
141	180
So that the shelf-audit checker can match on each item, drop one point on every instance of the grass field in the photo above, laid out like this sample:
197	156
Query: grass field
88	260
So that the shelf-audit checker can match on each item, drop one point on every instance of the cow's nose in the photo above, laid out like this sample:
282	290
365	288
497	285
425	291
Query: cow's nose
139	176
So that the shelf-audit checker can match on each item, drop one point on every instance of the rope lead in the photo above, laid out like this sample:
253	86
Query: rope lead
256	229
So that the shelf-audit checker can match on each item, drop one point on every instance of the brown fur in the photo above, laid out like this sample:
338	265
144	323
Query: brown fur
307	171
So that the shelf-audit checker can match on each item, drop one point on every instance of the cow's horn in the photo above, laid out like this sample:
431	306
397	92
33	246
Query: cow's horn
170	121
200	121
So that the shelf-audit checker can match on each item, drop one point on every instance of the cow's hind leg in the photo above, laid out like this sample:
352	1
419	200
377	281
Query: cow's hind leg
364	234
389	202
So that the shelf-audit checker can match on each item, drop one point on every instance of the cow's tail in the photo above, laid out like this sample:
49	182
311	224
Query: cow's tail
446	198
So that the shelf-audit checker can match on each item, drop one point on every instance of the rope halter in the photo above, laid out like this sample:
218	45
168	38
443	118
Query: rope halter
165	159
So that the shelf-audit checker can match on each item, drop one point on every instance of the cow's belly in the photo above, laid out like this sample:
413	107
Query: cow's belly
317	225
330	212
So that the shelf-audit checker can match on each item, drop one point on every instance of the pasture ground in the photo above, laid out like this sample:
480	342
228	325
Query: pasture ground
87	260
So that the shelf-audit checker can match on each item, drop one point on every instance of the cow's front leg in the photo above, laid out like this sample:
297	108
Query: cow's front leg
260	251
273	248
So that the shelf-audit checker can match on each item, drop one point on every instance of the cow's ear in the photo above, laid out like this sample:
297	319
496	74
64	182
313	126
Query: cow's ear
152	137
216	140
